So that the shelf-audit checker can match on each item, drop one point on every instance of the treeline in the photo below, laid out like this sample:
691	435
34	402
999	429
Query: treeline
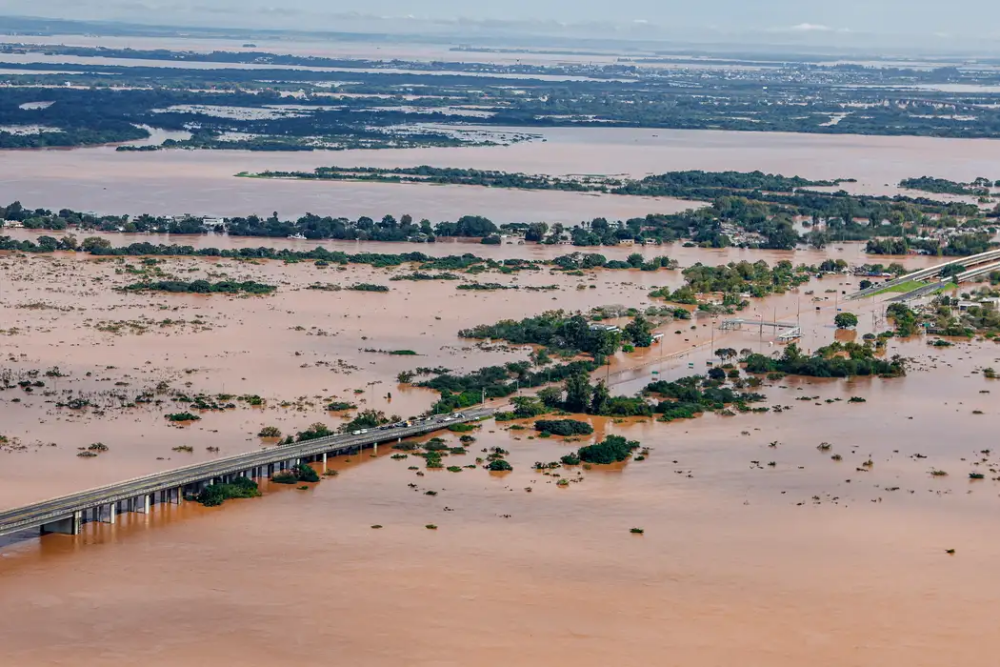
202	287
81	116
694	184
444	176
101	247
686	398
567	334
67	137
957	245
979	187
462	391
737	280
799	97
755	203
309	225
690	396
829	362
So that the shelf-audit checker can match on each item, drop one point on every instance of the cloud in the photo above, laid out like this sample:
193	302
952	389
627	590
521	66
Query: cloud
810	27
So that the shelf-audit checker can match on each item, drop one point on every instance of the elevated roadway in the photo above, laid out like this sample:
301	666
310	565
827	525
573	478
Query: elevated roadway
983	263
66	514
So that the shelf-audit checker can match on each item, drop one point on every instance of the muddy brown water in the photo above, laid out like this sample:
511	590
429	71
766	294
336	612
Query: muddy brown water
809	561
203	183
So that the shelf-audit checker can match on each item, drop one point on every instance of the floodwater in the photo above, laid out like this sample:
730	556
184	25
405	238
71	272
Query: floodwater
203	182
97	61
809	561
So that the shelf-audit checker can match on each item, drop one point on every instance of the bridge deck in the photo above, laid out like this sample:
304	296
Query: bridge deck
990	256
56	509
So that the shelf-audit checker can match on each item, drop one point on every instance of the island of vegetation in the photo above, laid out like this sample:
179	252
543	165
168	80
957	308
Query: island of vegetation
738	214
202	287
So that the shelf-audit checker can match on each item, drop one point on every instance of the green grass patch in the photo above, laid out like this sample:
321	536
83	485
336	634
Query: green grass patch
903	288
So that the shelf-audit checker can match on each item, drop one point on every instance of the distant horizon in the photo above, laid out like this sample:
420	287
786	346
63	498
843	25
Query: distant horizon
803	38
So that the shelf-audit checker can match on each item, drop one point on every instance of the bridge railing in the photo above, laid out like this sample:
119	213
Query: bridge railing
53	508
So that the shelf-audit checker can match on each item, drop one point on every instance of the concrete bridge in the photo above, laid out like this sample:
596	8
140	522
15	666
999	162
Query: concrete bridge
976	266
67	514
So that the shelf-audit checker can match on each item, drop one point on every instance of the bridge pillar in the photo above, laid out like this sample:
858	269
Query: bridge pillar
142	504
109	511
324	458
68	526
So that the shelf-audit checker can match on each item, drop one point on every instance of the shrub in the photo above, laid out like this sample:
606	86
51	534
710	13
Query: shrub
284	477
612	449
216	494
305	473
570	460
316	430
299	473
563	427
338	406
182	417
368	287
499	465
270	432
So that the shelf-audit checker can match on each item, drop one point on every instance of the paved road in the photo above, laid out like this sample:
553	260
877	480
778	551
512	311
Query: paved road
919	292
55	509
932	271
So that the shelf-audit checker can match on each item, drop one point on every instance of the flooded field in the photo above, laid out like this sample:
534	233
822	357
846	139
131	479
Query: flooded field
809	561
814	560
203	182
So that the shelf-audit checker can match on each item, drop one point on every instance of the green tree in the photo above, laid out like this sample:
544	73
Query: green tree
551	397
726	353
578	391
846	320
606	343
599	399
639	332
95	243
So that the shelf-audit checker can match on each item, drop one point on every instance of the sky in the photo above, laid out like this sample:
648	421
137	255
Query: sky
852	20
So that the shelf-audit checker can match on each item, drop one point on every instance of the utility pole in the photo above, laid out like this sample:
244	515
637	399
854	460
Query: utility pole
711	348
